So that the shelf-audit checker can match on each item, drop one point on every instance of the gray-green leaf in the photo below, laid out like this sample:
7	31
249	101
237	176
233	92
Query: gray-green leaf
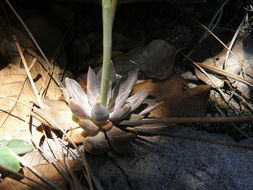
19	146
8	159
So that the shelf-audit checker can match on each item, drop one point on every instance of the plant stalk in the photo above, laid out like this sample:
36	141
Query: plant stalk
107	50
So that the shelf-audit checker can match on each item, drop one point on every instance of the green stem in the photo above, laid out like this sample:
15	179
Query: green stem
107	49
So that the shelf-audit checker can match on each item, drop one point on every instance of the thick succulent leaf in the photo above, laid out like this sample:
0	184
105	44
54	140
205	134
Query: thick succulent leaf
77	135
93	87
76	92
97	144
122	89
8	159
118	136
79	110
137	99
149	109
19	146
120	113
120	140
99	113
88	125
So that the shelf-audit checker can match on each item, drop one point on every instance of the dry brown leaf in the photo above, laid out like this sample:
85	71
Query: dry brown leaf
155	60
47	170
12	79
179	101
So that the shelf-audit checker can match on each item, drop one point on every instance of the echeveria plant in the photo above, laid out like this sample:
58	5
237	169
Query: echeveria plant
97	123
92	118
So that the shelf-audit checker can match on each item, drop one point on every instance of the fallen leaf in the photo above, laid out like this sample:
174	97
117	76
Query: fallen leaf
15	85
47	170
156	60
178	101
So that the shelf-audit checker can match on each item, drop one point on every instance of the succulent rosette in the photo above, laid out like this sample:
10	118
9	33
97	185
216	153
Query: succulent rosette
95	124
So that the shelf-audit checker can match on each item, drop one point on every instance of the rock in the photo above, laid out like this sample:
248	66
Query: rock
174	163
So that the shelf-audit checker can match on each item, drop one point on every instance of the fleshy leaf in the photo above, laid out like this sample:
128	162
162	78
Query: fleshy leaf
19	146
97	144
99	113
8	159
122	89
78	110
137	99
149	109
93	87
76	92
120	113
88	125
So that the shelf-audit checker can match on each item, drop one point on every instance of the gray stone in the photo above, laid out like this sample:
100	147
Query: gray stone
175	163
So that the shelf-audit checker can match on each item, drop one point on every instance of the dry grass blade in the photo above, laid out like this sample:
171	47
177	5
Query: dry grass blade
211	26
226	74
224	45
233	41
28	72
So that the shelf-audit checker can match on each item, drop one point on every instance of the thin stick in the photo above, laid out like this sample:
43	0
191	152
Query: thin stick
226	74
224	45
188	120
28	72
